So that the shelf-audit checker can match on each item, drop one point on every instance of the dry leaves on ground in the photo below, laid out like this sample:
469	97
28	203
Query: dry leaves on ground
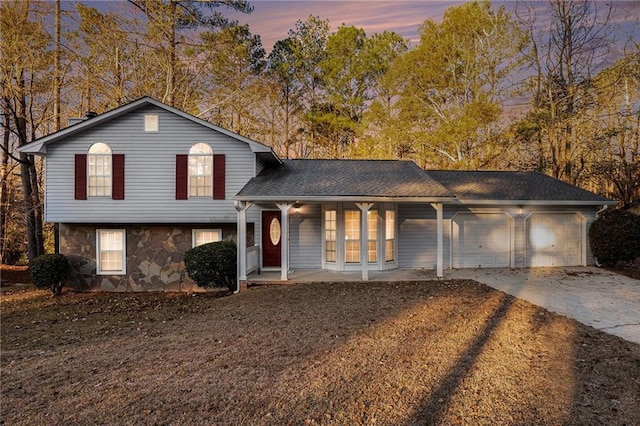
452	352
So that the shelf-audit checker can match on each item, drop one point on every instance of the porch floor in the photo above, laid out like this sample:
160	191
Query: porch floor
319	275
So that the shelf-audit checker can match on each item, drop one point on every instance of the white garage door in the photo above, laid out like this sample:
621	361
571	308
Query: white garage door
554	239
481	240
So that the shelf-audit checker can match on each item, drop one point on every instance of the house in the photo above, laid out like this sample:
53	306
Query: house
134	188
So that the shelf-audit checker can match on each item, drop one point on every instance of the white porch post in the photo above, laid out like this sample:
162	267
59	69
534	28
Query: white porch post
364	239
241	208
439	237
284	240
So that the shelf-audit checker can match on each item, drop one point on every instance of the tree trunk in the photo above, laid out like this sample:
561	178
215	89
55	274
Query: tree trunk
172	54
4	174
56	101
26	170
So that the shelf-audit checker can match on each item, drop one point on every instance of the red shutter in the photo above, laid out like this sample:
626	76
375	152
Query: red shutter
182	161
117	190
218	176
81	176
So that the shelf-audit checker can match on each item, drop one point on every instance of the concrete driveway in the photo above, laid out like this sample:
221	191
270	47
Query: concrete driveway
604	300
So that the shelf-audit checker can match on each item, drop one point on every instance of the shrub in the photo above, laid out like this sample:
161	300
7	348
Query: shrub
50	271
615	236
213	264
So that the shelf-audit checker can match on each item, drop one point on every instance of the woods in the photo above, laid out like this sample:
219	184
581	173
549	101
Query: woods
539	86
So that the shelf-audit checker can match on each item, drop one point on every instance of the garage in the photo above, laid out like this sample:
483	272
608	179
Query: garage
480	240
554	239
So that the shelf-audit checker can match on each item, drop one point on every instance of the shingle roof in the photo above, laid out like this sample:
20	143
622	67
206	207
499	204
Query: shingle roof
498	185
343	178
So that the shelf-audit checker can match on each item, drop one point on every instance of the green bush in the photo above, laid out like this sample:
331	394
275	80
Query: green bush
615	236
50	271
213	264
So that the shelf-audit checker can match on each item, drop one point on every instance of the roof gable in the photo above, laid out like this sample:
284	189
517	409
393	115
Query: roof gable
39	145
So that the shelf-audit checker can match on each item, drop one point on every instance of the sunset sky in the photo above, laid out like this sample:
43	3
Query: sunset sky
272	19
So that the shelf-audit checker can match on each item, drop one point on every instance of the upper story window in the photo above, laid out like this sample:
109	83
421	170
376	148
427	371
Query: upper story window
200	170
99	170
150	123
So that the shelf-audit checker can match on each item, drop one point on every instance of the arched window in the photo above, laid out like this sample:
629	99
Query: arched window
200	170
99	170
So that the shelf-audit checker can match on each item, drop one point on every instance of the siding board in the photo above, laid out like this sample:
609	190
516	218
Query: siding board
150	184
417	236
305	237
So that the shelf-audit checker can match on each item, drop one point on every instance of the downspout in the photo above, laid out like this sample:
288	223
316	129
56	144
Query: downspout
604	207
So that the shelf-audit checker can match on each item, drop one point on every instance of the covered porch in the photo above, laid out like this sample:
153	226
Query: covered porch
335	216
360	238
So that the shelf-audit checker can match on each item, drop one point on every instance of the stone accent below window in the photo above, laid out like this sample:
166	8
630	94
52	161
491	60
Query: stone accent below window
154	256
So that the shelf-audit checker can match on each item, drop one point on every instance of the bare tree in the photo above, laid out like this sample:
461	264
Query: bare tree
26	65
565	55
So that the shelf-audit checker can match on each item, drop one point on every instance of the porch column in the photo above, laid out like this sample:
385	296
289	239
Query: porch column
364	239
438	207
284	239
241	209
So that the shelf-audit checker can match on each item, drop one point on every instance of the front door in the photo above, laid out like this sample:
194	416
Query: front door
271	236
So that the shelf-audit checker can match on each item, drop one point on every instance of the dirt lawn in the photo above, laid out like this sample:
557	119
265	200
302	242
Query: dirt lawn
451	352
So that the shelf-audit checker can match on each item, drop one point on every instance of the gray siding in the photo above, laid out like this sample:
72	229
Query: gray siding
305	237
417	236
149	172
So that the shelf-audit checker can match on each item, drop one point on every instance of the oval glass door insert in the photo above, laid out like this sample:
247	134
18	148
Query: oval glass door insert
275	231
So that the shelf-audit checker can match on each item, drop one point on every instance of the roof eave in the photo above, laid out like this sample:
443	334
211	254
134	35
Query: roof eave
346	198
35	148
467	201
39	146
86	124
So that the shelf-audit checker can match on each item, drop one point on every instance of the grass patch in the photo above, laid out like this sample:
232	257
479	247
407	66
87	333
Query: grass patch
452	352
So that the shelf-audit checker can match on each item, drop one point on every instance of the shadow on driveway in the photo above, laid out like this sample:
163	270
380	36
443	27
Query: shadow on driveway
602	299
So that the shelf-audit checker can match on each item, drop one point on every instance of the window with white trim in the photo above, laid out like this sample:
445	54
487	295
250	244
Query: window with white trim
200	170
330	235
206	236
151	123
99	170
352	236
372	249
390	235
111	250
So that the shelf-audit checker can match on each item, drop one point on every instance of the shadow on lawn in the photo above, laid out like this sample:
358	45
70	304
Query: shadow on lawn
348	353
379	366
435	405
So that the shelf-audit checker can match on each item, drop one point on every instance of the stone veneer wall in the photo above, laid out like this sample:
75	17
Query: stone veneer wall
154	256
